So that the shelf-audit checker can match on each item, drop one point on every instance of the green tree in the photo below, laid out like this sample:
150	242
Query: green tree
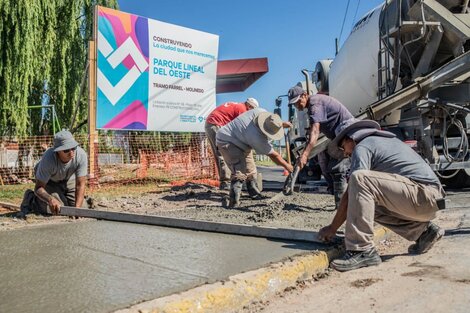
43	50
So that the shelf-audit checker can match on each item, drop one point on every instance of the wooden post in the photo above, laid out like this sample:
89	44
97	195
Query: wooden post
93	138
287	141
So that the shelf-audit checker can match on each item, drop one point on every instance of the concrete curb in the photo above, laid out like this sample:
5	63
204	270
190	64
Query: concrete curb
242	289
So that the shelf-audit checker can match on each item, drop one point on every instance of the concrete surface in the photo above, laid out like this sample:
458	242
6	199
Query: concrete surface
103	266
239	291
435	282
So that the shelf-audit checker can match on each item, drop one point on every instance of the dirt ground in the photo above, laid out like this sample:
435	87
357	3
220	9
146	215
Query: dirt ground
437	281
306	210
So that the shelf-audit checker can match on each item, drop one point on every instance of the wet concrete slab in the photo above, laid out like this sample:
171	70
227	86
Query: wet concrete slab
99	266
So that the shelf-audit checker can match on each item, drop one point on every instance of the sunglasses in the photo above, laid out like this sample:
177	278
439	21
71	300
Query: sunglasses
68	150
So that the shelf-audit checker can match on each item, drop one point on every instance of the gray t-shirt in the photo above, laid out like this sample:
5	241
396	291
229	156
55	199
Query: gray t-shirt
391	155
245	134
327	111
51	168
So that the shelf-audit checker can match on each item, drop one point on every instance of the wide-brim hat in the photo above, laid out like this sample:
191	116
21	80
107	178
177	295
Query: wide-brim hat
271	125
64	140
349	127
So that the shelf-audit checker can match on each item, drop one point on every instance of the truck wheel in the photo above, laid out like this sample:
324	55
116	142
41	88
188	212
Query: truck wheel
460	180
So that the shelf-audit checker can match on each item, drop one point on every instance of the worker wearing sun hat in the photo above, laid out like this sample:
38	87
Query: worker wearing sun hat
389	184
219	117
60	177
252	130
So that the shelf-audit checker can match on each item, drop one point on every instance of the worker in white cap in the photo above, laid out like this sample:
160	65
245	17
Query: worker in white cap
222	115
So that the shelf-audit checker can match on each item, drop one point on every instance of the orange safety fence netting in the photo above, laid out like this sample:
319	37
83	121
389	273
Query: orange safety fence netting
120	157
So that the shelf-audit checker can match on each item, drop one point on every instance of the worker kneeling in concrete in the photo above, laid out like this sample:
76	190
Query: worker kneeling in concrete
60	177
251	130
389	184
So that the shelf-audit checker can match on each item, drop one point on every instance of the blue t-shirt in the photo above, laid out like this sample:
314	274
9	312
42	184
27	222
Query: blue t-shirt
327	111
50	167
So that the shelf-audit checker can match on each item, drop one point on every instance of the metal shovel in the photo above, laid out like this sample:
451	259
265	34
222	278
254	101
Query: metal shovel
289	184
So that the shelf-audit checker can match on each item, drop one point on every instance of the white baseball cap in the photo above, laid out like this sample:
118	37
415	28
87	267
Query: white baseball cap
252	102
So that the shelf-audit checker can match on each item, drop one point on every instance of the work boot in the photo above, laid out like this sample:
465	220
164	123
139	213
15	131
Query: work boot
224	185
235	193
353	260
339	187
427	239
26	204
253	190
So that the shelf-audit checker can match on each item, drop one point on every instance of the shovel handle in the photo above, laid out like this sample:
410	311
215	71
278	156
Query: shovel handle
295	173
290	181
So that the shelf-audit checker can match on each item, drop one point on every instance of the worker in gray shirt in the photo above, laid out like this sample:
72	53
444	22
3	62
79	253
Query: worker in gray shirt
251	130
60	177
389	184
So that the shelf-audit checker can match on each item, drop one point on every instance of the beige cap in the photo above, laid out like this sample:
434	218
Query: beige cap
271	125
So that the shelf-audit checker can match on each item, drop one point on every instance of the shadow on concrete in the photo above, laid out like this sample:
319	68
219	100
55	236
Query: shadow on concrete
302	245
457	231
387	257
215	196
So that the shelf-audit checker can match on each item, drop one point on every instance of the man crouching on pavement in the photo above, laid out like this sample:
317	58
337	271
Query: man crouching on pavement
389	184
251	130
60	177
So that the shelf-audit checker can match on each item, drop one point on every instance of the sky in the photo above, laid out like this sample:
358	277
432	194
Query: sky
293	34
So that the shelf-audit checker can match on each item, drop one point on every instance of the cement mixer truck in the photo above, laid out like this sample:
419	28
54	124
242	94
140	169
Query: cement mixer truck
406	64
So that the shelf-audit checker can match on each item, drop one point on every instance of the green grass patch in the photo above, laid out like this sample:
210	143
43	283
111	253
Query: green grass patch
129	189
268	162
14	193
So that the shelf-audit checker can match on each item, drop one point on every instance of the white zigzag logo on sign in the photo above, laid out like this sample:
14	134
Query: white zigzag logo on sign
114	58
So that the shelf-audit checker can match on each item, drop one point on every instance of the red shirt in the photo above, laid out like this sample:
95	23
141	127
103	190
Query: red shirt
226	113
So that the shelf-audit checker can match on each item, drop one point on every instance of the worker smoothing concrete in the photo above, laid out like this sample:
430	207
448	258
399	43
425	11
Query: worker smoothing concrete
219	117
251	130
389	184
60	177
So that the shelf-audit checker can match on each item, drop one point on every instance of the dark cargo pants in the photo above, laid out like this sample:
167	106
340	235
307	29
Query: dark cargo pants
64	191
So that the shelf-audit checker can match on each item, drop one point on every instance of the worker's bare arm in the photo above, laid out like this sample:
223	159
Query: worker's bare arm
80	191
328	232
41	193
276	158
313	137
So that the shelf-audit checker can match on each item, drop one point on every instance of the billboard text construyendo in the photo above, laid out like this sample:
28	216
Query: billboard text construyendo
153	75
